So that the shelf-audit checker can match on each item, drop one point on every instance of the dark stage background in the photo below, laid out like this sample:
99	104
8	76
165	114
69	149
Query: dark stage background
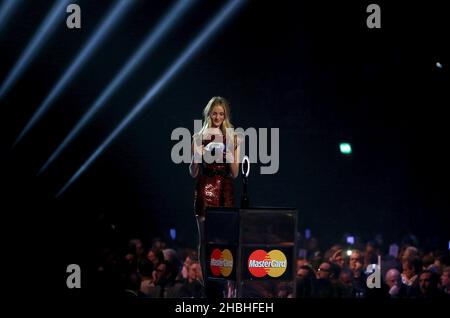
312	69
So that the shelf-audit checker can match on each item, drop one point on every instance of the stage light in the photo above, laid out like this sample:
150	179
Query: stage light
173	234
350	240
302	253
307	234
345	148
56	13
393	250
93	43
438	65
6	10
349	252
144	50
173	69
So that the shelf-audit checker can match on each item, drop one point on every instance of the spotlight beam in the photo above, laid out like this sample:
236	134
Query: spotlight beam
198	42
45	29
6	10
93	43
143	51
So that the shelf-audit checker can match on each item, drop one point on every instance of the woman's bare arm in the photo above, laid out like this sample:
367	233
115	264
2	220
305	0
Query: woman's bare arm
234	166
196	153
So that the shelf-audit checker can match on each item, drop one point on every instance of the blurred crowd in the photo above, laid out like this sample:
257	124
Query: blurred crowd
403	270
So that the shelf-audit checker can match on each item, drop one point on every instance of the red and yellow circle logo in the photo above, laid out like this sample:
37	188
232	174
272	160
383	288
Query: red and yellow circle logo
260	263
221	262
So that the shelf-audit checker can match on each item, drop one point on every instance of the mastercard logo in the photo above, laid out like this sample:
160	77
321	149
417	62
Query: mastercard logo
221	262
261	263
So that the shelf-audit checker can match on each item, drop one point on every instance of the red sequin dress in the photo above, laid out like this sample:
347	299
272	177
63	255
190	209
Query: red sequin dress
214	186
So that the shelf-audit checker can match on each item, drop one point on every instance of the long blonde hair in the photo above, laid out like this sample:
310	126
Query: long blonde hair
217	101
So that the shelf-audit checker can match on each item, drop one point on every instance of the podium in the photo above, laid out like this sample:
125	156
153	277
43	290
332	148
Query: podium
250	253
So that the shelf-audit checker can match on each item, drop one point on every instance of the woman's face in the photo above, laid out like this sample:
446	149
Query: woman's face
217	116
